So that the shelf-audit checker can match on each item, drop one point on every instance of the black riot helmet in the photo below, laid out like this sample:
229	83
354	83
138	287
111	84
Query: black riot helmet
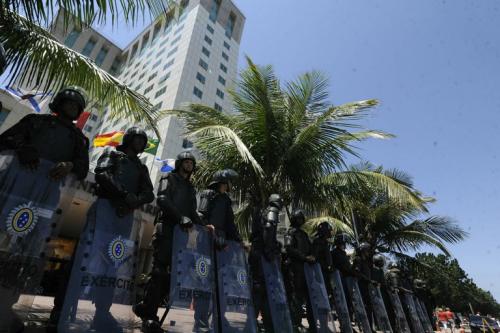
75	94
298	218
393	267
419	284
225	176
341	239
185	155
129	136
363	247
324	229
3	59
275	200
379	260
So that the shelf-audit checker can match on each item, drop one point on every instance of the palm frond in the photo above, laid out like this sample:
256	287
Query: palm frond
89	11
31	51
338	226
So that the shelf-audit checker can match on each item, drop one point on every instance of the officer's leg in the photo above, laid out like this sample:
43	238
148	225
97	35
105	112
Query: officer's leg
201	311
365	295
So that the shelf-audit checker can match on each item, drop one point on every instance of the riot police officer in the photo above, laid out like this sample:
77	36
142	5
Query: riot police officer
340	261
177	202
299	251
321	251
362	265
41	149
265	246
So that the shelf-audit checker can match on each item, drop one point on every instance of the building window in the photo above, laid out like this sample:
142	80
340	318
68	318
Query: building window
208	40
145	41
217	107
172	52
133	74
222	80
116	66
205	51
164	78
168	64
227	46
178	30
87	50
138	86
214	10
223	68
220	93
161	52
160	92
152	76
88	128
230	25
156	64
149	54
134	51
137	65
210	29
148	89
200	78
186	144
165	41
93	117
203	64
71	38
176	40
103	52
157	106
197	92
156	31
141	76
225	56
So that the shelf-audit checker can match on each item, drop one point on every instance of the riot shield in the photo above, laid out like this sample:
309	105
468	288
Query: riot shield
28	200
192	285
318	297
100	291
340	302
276	296
422	314
235	295
415	324
397	307
379	310
358	305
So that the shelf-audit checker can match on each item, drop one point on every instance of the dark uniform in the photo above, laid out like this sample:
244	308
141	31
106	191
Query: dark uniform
363	267
264	244
341	262
177	202
321	251
299	251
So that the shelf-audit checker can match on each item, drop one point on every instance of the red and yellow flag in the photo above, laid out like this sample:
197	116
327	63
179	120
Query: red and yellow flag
108	139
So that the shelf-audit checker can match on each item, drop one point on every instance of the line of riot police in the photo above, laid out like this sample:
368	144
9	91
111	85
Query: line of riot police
201	280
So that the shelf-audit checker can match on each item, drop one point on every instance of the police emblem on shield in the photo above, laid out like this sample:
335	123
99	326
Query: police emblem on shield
242	277
202	267
22	220
116	250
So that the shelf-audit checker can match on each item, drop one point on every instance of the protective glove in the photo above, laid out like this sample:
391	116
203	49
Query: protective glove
310	259
185	222
60	170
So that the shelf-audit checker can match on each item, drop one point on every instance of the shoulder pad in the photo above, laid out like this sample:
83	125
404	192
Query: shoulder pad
288	240
272	216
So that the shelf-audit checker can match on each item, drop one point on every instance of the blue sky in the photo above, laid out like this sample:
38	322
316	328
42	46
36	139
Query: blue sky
434	66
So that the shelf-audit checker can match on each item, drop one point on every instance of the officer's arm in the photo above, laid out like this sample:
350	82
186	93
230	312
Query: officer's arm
16	136
232	230
81	159
145	194
104	174
164	199
292	250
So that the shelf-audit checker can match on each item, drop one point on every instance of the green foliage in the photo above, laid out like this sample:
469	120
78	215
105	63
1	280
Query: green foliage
450	286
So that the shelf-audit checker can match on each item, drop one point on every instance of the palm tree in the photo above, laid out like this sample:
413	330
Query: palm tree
35	56
398	227
285	139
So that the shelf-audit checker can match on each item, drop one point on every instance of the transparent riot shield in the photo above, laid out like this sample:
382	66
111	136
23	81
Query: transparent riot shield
318	297
235	295
192	285
358	305
414	320
425	314
379	310
276	296
422	314
100	291
401	322
340	302
28	200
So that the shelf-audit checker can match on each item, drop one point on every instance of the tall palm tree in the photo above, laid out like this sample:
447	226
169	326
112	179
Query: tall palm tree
35	56
398	227
286	139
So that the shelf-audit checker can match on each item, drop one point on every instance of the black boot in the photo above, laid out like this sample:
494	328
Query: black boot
105	322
